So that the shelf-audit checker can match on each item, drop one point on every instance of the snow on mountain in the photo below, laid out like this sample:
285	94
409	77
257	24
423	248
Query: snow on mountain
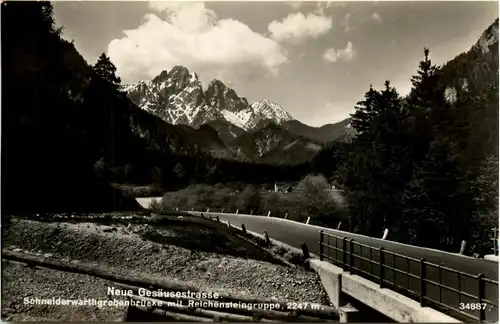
242	118
271	110
175	96
250	116
178	98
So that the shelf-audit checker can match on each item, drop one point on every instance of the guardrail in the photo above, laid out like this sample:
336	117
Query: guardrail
424	275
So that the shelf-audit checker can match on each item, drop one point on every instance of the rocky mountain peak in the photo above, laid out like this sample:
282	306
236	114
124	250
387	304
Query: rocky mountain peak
216	84
177	97
271	110
222	98
215	89
180	77
178	70
163	76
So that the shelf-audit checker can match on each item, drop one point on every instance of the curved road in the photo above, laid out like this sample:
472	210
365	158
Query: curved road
295	234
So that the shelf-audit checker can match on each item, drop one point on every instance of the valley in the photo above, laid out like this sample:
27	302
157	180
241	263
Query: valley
82	141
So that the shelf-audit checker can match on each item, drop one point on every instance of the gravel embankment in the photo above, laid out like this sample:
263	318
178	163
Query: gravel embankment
185	253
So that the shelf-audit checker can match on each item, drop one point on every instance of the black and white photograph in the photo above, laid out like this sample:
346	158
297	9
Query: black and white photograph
250	161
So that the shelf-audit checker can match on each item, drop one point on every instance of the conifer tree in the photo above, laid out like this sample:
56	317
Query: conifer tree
391	154
364	115
363	164
106	69
436	199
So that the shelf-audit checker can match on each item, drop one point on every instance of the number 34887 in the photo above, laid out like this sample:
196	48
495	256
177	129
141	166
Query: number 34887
472	306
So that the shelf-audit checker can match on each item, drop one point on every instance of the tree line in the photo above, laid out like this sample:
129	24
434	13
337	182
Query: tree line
311	199
426	165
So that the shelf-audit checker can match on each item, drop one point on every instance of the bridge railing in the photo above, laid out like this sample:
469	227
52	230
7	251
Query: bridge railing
460	294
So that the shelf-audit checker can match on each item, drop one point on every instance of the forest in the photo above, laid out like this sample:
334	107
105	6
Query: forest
425	166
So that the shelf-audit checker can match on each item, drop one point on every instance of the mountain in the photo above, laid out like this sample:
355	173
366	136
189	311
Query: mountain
227	132
68	134
273	144
323	134
298	151
488	38
178	98
473	76
207	139
248	130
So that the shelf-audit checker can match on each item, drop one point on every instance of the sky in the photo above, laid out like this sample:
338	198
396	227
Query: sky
315	59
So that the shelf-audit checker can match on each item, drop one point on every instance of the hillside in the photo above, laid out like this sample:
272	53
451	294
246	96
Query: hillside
274	145
299	151
325	133
427	162
206	138
68	133
227	132
474	75
52	136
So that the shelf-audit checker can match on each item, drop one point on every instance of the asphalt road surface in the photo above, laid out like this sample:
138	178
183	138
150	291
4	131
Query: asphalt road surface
295	234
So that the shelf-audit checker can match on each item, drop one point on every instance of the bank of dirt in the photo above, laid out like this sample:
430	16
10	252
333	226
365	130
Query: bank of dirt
184	252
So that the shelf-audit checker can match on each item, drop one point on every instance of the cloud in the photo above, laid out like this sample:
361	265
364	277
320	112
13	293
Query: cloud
376	17
297	27
189	34
346	54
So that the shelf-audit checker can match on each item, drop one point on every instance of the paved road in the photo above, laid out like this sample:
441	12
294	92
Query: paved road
295	234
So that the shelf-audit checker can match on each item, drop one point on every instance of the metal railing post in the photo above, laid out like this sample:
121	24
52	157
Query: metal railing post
440	275
459	287
463	245
495	241
480	297
422	282
344	253
351	255
381	266
321	245
266	237
305	251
